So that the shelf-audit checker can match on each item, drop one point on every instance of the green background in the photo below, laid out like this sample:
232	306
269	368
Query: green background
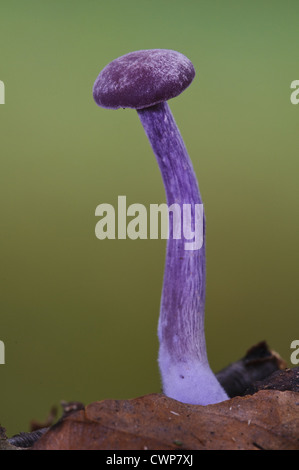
78	315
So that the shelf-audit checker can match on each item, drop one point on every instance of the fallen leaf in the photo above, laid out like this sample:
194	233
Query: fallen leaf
267	420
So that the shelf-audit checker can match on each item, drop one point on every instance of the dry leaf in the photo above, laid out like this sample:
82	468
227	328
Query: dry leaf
267	420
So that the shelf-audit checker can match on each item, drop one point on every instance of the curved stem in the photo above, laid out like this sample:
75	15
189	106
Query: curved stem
182	306
182	357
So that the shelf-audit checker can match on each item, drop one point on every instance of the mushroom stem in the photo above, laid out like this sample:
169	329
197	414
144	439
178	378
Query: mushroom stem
185	371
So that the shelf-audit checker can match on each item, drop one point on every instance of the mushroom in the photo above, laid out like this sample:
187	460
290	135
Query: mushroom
144	80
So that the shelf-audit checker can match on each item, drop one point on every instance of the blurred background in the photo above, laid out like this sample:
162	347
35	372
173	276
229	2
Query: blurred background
78	316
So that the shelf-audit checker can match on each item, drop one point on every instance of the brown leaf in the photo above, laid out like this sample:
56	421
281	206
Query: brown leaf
267	420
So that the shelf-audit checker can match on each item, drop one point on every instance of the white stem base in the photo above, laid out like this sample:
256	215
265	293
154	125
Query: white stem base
191	382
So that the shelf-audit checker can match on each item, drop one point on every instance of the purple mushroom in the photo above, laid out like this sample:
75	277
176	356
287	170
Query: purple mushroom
145	80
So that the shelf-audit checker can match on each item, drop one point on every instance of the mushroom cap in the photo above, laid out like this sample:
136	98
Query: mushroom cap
143	78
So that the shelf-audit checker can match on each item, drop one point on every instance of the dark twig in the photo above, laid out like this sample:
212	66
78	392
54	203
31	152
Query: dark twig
26	439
